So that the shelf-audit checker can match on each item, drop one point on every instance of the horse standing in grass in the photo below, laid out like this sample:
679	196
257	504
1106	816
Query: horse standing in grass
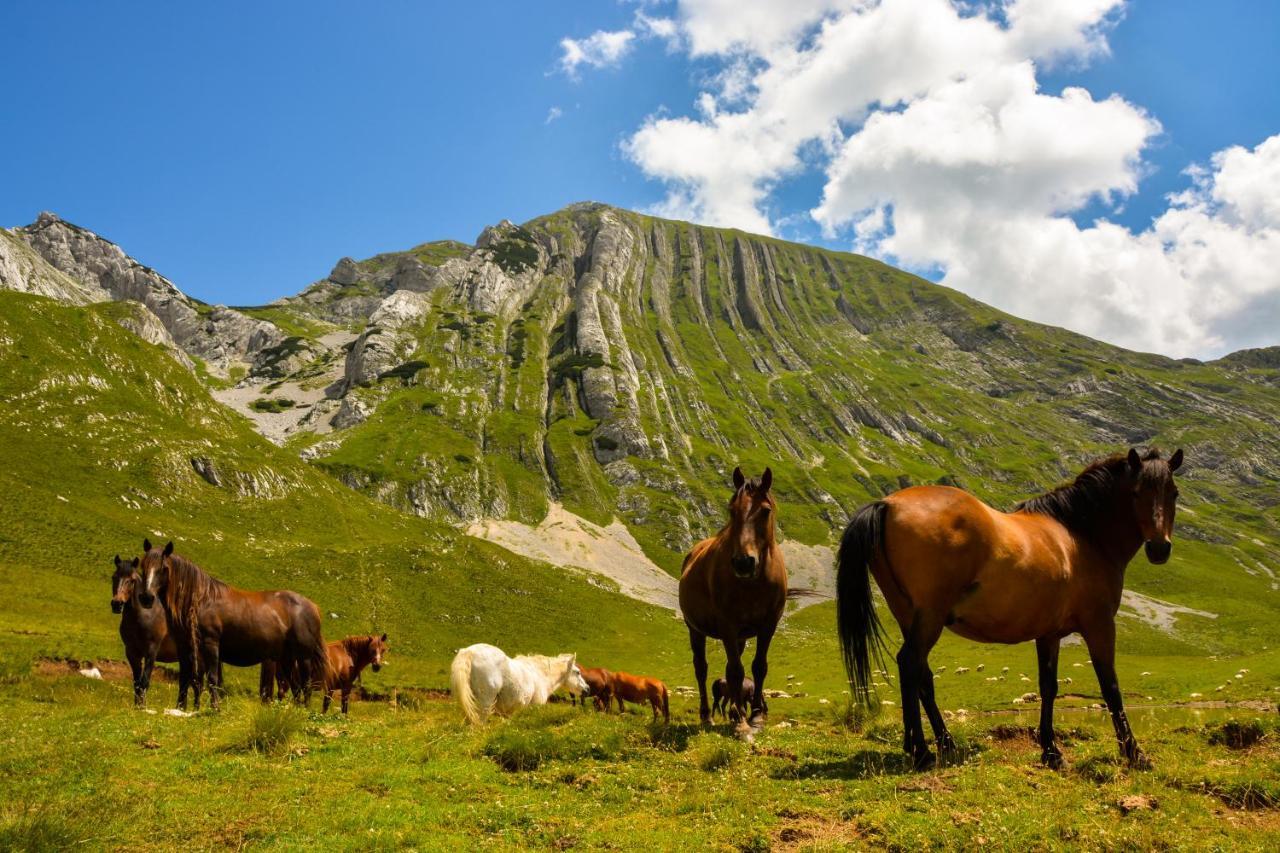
638	688
733	586
720	695
214	623
484	680
347	659
1052	567
597	681
143	630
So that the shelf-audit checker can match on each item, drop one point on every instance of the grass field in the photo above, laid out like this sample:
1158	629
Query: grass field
83	769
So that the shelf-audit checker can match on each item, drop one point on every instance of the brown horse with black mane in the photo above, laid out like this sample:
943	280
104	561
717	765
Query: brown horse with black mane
733	587
1052	567
214	623
143	630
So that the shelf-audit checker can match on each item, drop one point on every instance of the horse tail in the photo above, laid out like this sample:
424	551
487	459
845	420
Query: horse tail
460	683
803	592
861	636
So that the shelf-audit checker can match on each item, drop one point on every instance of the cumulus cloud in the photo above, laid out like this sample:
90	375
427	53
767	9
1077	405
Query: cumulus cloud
939	150
553	114
601	49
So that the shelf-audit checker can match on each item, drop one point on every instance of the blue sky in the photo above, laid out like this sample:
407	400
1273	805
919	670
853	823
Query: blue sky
242	148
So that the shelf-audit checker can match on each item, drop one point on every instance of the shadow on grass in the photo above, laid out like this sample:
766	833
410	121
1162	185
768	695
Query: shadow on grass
860	765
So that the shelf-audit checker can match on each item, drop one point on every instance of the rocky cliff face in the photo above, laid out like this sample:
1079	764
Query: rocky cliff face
218	335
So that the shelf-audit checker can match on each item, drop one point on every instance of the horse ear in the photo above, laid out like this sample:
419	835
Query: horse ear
738	478
168	549
1175	461
384	636
146	546
1135	461
118	561
766	479
135	562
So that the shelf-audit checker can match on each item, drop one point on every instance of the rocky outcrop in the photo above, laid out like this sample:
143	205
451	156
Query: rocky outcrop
387	341
24	270
218	335
139	320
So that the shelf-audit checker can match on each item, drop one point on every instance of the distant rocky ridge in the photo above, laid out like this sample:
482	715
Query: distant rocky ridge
94	269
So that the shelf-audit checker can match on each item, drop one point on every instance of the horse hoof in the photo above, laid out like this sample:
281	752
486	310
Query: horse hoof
1052	760
924	761
1138	760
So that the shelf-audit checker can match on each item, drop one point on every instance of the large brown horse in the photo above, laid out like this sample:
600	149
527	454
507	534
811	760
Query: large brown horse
733	587
143	630
214	623
1054	566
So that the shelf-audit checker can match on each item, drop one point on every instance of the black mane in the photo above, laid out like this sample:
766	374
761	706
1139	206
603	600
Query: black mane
1078	504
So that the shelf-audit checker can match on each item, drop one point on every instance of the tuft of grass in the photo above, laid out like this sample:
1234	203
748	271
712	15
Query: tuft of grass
271	405
43	828
854	716
712	752
273	727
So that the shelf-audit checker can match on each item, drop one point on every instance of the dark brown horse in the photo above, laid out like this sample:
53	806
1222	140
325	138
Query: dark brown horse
143	630
733	587
1054	566
720	695
214	623
641	689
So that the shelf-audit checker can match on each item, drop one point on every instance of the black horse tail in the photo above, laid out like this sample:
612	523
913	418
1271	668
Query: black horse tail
861	636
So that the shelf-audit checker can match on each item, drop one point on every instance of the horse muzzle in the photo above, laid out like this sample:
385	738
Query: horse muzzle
376	667
744	567
1158	552
117	606
146	599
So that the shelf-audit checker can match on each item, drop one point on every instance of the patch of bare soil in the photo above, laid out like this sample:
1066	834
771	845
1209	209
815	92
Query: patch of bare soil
111	670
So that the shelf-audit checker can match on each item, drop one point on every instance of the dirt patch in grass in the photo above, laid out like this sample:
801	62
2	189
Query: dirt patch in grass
111	670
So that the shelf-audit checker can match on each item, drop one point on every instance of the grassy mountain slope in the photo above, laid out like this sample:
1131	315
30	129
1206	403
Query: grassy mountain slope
97	437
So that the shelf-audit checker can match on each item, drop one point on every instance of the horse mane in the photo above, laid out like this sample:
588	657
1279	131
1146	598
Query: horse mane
187	588
1078	505
543	662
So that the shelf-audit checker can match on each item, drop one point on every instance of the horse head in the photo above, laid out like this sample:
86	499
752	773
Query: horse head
573	678
377	648
1155	499
751	523
153	574
123	581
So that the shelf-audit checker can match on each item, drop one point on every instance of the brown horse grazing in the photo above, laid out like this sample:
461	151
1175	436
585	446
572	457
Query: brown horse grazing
733	587
638	688
1052	567
214	623
598	688
144	632
720	695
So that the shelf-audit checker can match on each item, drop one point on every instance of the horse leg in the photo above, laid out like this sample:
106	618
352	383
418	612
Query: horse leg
139	692
148	666
1047	656
1101	640
759	669
734	673
328	699
266	681
918	641
942	737
346	697
184	679
698	642
212	666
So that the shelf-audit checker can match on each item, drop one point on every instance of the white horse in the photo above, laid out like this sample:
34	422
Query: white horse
485	680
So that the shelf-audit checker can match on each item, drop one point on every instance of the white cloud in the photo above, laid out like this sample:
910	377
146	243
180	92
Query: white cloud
601	49
939	150
553	114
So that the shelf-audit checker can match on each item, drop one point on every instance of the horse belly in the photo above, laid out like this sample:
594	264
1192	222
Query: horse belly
1010	610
